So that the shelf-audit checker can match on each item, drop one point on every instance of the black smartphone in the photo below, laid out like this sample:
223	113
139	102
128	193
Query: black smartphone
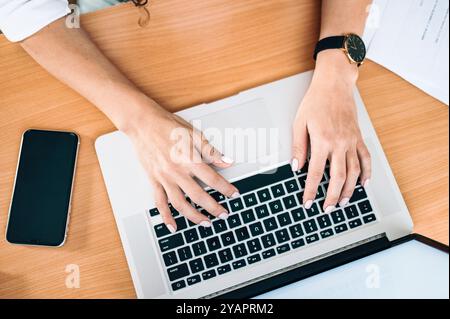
40	203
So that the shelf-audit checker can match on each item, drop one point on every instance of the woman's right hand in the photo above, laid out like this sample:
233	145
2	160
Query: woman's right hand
173	153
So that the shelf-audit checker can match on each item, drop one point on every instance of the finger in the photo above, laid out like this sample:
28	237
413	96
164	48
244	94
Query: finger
338	175
353	172
365	162
315	173
202	198
299	147
208	152
161	202
214	180
179	202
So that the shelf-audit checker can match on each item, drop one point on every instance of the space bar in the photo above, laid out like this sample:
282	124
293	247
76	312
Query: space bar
264	179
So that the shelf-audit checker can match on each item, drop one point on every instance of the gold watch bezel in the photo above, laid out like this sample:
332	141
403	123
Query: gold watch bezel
345	50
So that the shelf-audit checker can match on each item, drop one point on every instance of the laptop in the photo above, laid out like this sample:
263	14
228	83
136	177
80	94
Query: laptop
269	235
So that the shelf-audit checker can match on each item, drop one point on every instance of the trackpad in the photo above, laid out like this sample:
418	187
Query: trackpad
147	277
244	132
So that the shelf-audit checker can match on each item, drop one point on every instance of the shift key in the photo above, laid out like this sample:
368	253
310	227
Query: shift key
171	242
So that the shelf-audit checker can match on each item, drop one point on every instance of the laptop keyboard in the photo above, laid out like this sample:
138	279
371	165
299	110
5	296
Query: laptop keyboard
267	220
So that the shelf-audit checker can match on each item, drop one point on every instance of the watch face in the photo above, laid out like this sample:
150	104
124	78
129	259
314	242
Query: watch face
356	48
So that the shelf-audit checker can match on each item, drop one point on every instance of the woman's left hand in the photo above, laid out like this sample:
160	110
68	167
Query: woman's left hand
327	122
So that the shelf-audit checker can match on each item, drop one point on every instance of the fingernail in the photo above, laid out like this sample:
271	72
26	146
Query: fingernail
205	224
223	216
366	183
294	165
344	202
227	160
308	204
171	228
235	194
329	209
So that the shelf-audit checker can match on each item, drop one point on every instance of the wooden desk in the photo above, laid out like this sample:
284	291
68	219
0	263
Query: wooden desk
192	52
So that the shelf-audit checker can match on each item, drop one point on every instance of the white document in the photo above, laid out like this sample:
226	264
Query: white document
411	38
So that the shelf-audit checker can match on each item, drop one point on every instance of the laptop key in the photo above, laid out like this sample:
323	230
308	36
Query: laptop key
313	211
264	195
196	265
300	197
199	248
171	242
236	204
302	181
275	206
262	211
178	272
291	186
351	211
240	250
234	221
282	236
205	231
211	260
184	253
248	216
228	238
310	226
298	243
298	214
161	230
358	194
270	224
312	238
242	234
209	274
284	219
213	243
289	202
250	200
324	221
365	207
219	226
225	255
277	190
337	216
296	231
170	258
340	228
267	178
218	197
256	229
254	245
355	223
191	235
326	233
178	285
320	194
268	253
253	259
283	249
223	269
193	280
369	218
268	240
181	223
154	212
239	264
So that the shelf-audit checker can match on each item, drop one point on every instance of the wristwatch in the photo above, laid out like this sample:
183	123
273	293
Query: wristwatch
352	45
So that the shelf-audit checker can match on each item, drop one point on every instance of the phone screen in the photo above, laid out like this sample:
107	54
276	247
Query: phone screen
43	187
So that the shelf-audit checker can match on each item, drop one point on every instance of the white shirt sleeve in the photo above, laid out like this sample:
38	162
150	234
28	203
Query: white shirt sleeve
20	19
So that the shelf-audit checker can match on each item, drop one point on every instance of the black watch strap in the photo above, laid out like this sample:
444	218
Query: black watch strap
336	42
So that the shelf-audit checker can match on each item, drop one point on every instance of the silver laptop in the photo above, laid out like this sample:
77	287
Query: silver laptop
268	232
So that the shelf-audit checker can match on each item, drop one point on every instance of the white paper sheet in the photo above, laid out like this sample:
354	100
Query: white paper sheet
411	38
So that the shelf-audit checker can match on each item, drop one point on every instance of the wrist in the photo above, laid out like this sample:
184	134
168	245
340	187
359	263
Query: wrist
334	66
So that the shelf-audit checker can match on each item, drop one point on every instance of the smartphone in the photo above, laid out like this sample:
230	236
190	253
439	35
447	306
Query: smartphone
40	203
